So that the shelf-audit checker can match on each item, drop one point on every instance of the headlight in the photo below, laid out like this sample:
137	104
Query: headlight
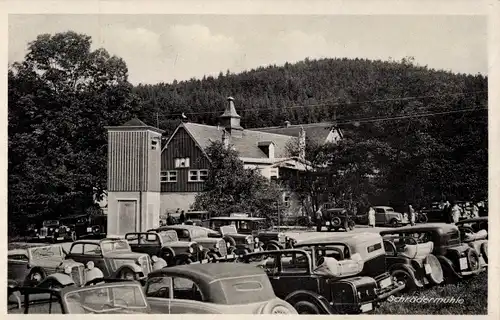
36	230
249	240
227	245
191	250
154	258
256	239
57	230
50	229
217	245
90	265
67	270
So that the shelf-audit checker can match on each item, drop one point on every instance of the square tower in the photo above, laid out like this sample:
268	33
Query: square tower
134	162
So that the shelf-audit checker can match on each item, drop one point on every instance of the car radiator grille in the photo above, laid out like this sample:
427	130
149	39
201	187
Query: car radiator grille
77	273
43	232
145	263
222	247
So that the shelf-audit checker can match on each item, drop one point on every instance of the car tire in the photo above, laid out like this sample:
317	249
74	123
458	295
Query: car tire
436	276
473	259
127	274
405	277
394	223
230	240
36	276
306	307
484	251
272	246
183	260
423	218
336	222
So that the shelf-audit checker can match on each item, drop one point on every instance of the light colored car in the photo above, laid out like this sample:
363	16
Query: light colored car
386	216
213	288
113	256
30	265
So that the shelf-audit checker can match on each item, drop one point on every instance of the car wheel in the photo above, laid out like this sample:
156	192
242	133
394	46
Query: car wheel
394	223
423	218
212	257
473	259
346	225
36	276
306	307
484	251
404	277
183	261
127	274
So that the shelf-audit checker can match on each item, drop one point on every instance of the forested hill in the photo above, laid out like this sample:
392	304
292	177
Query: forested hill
270	95
431	124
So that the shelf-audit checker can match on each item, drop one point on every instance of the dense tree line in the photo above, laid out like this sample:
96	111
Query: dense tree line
63	94
418	120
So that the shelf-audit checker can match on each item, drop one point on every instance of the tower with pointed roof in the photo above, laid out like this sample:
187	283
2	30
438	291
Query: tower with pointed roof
134	162
230	120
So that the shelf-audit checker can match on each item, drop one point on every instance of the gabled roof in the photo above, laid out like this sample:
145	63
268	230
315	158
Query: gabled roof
316	132
247	145
134	124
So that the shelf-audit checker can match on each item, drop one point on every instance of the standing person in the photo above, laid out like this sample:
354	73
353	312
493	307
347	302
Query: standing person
447	212
455	213
319	219
170	221
475	211
411	212
482	209
182	217
371	217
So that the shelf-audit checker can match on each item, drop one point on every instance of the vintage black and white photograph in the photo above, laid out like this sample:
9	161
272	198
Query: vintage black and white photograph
247	164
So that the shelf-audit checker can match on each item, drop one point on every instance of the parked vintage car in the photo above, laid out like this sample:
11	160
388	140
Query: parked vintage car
213	289
299	277
166	245
474	232
54	230
87	226
197	218
30	265
208	239
386	216
336	219
457	259
124	297
368	247
412	263
113	256
241	232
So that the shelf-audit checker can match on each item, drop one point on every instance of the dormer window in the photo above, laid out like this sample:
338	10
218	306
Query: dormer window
268	148
182	162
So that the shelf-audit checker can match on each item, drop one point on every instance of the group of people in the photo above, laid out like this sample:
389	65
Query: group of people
171	221
453	212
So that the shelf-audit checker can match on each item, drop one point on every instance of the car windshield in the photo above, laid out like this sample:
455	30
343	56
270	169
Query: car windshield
199	233
168	235
50	223
117	245
113	298
389	209
228	229
248	289
48	252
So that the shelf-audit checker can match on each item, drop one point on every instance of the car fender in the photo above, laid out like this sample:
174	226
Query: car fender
447	266
275	242
167	251
313	297
62	278
134	267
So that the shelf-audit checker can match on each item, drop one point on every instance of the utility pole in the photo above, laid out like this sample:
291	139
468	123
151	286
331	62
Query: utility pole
141	165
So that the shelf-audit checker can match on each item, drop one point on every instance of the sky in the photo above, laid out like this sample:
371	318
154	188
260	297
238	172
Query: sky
161	48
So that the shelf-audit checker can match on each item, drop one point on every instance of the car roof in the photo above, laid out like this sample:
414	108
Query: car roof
383	207
238	218
180	227
97	241
200	211
424	227
345	237
210	271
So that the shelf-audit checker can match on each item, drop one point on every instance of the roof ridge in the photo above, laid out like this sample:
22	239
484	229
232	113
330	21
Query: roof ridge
271	133
318	124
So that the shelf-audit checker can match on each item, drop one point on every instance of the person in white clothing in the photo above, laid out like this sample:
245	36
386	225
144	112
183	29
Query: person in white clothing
371	217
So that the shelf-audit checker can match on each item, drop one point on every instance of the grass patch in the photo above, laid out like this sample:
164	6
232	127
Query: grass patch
473	292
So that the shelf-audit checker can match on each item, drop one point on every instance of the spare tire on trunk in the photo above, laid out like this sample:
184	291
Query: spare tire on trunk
336	221
473	259
436	274
484	251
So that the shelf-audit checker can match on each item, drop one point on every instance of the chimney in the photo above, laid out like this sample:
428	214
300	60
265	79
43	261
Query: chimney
302	143
287	124
225	139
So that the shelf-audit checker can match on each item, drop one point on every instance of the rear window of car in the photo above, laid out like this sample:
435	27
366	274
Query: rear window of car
251	289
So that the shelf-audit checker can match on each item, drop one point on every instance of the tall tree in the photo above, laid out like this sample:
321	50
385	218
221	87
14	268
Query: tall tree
232	188
60	98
